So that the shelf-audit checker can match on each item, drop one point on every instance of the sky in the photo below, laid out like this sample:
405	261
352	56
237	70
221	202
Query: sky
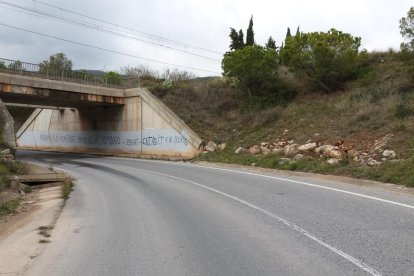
190	35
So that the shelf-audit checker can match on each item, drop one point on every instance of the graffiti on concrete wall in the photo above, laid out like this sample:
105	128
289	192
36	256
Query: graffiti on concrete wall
151	139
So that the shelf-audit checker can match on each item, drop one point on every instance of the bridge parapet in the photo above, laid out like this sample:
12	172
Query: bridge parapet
17	67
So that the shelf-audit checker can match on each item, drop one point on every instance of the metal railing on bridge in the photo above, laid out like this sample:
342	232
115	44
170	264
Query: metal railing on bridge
76	76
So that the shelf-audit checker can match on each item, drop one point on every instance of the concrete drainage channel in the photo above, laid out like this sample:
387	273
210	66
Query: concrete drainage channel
25	233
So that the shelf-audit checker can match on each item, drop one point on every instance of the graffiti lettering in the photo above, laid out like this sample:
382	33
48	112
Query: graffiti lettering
108	139
44	137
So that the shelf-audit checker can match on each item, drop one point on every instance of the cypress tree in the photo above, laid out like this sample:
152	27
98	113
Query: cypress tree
241	39
297	32
288	34
250	33
234	37
237	39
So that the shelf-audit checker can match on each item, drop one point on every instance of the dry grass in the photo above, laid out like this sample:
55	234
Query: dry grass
67	188
381	102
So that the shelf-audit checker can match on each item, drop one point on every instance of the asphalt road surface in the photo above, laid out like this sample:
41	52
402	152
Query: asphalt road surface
137	217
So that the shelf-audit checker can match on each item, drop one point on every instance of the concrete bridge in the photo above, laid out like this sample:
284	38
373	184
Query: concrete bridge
94	115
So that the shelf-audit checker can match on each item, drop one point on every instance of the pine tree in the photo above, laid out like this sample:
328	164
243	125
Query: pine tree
271	44
250	33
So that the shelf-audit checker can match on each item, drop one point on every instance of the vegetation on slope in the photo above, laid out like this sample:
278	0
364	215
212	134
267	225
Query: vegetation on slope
379	103
317	87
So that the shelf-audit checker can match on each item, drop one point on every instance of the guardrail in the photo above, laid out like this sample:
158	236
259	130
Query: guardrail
77	76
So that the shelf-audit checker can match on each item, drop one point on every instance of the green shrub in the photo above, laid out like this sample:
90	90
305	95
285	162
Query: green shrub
10	206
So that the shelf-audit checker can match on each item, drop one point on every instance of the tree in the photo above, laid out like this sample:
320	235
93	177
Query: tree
288	34
250	66
407	31
237	39
250	33
328	59
271	44
58	61
15	65
241	39
234	37
297	31
112	77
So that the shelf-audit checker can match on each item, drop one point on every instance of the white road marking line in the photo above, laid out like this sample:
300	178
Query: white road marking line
284	179
341	253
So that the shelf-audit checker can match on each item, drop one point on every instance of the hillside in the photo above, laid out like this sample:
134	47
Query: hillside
365	130
371	115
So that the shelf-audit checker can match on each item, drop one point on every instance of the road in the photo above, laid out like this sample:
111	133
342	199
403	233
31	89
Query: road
137	217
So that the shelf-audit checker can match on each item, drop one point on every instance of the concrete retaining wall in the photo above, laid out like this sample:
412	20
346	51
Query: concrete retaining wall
143	127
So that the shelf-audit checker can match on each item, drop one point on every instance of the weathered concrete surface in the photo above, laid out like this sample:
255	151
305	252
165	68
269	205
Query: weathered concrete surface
24	89
143	127
8	138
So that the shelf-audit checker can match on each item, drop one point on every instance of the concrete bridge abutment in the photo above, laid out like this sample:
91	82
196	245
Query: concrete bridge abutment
142	127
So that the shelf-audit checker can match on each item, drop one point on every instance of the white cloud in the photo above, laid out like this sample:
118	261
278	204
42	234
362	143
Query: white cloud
196	22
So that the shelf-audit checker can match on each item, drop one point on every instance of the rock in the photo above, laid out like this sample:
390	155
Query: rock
321	149
265	151
309	141
298	157
8	136
239	150
333	161
254	149
291	142
8	159
329	151
222	146
372	162
316	134
264	144
283	161
307	147
211	146
5	152
278	150
333	153
280	144
291	150
352	153
380	143
285	131
389	154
